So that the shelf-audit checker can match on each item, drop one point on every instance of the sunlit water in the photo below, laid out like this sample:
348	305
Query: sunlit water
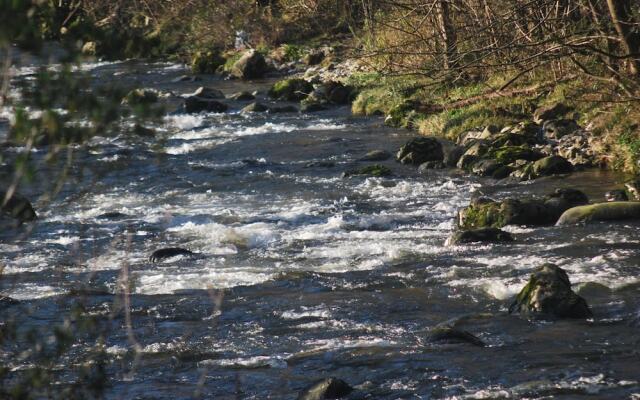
317	275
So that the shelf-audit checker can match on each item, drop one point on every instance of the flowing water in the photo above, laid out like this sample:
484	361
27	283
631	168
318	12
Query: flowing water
302	274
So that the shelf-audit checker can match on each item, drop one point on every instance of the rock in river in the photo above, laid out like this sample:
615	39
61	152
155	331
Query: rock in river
420	150
371	170
446	333
548	293
250	66
610	211
376	155
528	211
294	89
16	206
483	235
196	104
329	388
169	252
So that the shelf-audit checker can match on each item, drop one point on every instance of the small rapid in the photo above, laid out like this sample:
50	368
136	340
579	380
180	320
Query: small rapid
302	273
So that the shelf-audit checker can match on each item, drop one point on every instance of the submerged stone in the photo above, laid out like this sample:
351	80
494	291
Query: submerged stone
329	388
449	334
610	211
376	155
548	293
283	109
169	252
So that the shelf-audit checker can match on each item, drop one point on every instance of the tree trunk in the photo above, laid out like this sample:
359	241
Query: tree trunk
448	33
620	11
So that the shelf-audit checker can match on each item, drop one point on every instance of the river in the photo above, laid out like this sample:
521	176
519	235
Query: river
303	274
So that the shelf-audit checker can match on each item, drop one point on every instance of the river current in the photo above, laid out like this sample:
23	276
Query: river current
302	274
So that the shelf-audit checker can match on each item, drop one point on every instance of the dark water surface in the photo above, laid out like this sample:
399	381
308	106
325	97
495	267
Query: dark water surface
303	274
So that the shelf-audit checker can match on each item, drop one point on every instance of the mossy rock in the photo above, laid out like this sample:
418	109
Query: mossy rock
548	293
508	154
251	65
551	165
141	97
294	89
206	62
370	170
610	211
528	212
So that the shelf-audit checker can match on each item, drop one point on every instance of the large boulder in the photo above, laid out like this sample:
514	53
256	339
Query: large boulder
610	211
528	212
329	388
16	206
251	65
420	150
483	235
548	294
293	89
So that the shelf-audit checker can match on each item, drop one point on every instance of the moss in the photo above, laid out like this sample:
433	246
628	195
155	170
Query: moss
206	62
508	154
291	89
611	211
230	60
371	170
487	215
291	52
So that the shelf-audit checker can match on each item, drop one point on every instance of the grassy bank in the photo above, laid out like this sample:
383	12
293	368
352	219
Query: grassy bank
449	110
